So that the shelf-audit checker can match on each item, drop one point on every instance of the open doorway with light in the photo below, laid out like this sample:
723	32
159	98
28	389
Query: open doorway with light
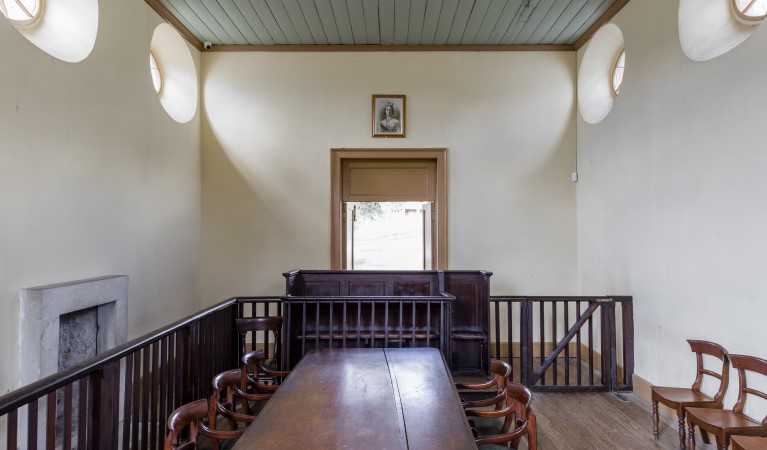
388	235
389	209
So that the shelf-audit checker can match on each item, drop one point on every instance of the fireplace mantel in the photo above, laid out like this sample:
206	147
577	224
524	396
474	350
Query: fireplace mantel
41	307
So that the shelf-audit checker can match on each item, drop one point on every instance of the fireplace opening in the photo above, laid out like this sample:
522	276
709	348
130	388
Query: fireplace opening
78	336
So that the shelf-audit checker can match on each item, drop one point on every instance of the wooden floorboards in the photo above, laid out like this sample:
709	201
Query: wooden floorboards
601	421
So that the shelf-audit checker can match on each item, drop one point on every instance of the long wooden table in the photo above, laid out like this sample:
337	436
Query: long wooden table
354	398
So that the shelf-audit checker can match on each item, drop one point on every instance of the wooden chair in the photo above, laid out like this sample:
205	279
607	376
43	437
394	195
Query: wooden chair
679	399
269	368
725	423
196	416
501	372
749	443
227	395
516	420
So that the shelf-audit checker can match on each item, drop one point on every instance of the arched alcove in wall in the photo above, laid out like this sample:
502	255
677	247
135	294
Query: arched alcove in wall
595	76
65	30
179	77
709	28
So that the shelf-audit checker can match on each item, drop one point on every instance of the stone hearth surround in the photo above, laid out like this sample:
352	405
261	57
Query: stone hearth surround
41	307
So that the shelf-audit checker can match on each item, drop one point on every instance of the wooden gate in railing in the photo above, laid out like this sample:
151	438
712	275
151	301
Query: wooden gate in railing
565	344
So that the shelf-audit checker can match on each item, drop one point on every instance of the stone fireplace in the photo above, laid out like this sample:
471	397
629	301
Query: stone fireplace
85	317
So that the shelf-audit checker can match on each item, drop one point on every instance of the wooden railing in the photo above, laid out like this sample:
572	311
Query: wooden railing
388	321
121	398
565	343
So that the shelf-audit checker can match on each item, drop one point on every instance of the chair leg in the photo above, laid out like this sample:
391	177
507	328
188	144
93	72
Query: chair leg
681	431
691	437
532	433
655	419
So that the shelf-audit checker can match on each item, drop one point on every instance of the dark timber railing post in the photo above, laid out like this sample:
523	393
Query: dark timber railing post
526	340
106	394
609	366
193	385
627	307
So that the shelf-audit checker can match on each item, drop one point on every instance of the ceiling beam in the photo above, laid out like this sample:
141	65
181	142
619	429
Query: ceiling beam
165	14
606	17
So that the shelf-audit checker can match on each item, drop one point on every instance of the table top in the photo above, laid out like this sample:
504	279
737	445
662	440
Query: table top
394	398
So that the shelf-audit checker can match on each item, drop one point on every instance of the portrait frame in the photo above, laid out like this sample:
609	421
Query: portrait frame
392	125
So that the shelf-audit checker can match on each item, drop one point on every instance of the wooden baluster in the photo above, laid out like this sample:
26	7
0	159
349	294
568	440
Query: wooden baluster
566	314
542	340
386	325
154	380
12	425
509	338
554	339
372	323
591	351
318	307
82	414
50	421
628	343
67	428
413	306
578	345
32	424
331	306
164	387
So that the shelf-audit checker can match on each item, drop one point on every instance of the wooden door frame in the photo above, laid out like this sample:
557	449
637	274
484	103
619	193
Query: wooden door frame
338	155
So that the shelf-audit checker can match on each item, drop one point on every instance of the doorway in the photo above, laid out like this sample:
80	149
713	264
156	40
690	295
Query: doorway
389	209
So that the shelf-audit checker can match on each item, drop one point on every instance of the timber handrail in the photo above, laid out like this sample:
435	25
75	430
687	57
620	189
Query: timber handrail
25	394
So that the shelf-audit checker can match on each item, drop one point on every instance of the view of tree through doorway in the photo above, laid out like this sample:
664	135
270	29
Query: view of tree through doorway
389	235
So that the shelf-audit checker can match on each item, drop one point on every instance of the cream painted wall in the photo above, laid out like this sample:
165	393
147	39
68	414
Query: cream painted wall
95	178
672	195
270	120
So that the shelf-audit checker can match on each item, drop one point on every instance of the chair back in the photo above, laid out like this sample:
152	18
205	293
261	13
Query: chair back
519	419
200	416
701	348
224	385
231	389
185	415
744	364
501	371
261	326
518	399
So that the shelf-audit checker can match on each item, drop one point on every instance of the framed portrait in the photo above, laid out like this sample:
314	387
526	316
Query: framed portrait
388	116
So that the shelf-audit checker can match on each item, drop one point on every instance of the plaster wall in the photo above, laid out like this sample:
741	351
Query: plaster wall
671	195
270	120
95	178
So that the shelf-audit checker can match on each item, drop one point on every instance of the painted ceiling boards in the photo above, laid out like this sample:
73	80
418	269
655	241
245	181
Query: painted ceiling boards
383	24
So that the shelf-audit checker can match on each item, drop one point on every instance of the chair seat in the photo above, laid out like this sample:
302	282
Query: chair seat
256	407
749	443
488	426
227	444
717	419
672	396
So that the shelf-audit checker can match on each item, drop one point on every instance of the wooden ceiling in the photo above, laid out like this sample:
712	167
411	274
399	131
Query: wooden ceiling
387	25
